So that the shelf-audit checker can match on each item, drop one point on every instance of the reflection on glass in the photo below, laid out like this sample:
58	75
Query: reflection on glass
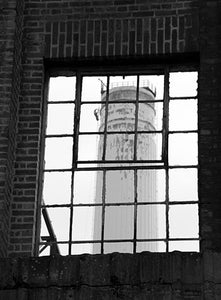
150	116
183	84
117	186
151	222
120	146
150	246
58	153
88	147
151	185
149	146
183	115
183	185
60	119
86	187
121	117
187	246
184	221
62	88
57	188
118	247
119	222
183	149
155	83
93	87
90	118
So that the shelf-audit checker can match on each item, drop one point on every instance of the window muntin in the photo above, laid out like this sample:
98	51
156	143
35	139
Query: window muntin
86	174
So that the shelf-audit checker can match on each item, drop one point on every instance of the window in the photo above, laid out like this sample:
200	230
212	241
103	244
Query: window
120	162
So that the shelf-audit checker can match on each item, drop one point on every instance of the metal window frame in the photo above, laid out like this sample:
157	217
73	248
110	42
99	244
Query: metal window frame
162	164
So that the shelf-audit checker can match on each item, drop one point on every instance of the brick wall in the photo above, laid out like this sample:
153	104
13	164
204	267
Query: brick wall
10	69
74	31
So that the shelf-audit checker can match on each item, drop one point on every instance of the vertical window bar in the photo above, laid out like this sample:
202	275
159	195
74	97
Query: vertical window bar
103	211
165	148
106	116
75	150
103	158
135	158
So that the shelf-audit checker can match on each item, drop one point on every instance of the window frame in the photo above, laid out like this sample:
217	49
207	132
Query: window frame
80	72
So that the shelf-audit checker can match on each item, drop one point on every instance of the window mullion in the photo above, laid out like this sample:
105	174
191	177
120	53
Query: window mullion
75	150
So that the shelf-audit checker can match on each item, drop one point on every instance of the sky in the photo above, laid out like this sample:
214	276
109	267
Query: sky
58	154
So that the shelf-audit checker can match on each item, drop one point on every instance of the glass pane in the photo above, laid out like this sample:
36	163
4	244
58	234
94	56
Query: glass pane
96	228
62	88
183	149
60	222
150	116
121	117
149	146
123	87
183	84
93	88
119	222
120	146
84	248
119	186
57	188
184	246
90	118
151	185
118	247
58	153
88	147
60	119
83	221
151	246
93	182
64	249
183	185
151	221
183	115
153	83
184	221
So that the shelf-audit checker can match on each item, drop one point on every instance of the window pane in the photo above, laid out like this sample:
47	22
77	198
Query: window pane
183	115
151	221
149	146
184	246
183	84
90	118
88	147
118	247
58	153
60	119
119	186
150	116
83	223
120	146
155	83
60	222
119	222
183	221
93	87
83	248
62	88
121	117
87	187
183	149
183	184
151	246
151	185
57	188
121	84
